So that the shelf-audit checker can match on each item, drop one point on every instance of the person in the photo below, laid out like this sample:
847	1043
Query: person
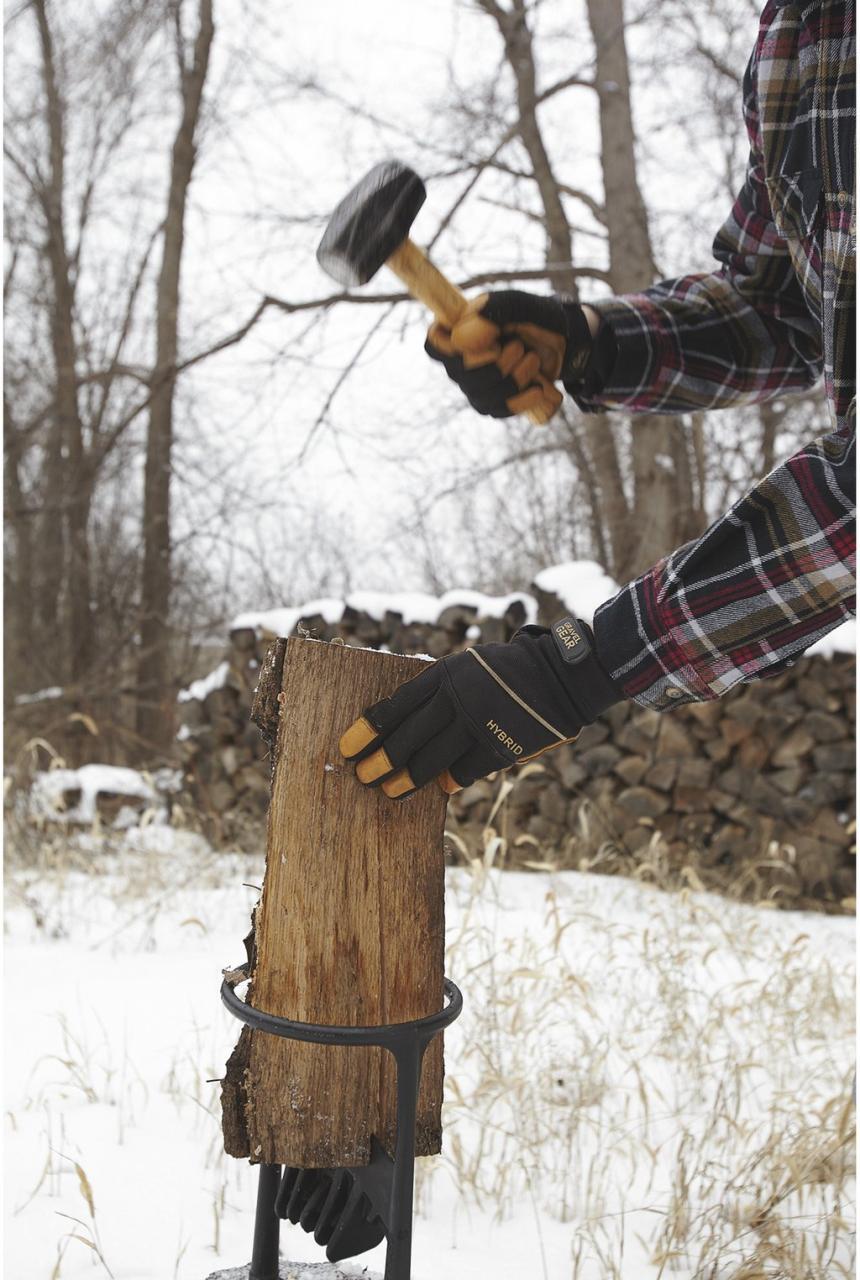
775	572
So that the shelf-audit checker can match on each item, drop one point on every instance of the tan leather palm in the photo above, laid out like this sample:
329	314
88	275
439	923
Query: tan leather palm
523	352
474	333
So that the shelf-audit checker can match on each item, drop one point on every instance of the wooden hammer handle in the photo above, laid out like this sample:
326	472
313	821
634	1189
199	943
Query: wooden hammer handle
426	283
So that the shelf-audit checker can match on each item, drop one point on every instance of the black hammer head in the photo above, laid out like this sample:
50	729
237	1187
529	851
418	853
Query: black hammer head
370	222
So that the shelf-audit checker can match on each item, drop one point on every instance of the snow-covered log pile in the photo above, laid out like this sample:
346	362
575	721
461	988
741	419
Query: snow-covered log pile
223	752
759	784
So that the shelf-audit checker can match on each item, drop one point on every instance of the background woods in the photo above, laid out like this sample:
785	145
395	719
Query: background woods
83	372
196	422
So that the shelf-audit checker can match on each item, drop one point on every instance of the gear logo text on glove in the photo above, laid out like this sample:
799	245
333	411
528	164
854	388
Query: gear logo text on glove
570	640
568	634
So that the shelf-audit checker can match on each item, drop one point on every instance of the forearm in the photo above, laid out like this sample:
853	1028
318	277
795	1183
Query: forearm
699	342
768	579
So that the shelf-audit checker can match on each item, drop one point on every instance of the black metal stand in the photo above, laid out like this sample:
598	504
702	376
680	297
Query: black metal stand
267	1226
349	1210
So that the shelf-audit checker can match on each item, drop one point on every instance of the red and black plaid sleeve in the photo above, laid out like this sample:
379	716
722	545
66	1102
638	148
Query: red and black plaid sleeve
769	578
742	333
776	572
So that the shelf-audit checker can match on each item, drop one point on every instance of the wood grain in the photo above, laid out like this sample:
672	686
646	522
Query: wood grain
350	929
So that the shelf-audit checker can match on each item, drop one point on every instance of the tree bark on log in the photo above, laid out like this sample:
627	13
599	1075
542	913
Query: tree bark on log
349	930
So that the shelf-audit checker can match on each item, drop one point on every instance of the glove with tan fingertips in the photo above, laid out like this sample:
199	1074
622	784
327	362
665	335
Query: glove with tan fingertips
509	348
482	710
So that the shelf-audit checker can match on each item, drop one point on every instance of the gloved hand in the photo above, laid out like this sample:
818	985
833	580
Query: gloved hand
509	348
481	710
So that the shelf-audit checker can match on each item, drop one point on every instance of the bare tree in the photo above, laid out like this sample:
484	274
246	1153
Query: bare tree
60	423
665	510
66	483
154	708
77	379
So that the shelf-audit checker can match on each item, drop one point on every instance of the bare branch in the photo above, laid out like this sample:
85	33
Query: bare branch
116	367
36	184
732	74
175	8
594	206
569	82
340	382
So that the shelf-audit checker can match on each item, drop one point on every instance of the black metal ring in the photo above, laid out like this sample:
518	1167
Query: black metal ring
319	1033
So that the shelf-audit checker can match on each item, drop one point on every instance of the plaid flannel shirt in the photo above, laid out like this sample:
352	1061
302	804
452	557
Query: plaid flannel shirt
776	572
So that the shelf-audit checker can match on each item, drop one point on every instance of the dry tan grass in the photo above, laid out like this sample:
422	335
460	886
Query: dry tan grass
701	1149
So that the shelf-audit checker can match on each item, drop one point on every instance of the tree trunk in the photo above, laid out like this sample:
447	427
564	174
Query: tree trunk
155	709
771	419
614	507
631	262
604	479
18	617
520	55
64	536
350	930
661	513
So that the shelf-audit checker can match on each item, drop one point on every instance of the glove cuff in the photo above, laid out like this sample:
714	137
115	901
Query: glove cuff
580	667
579	342
588	360
569	648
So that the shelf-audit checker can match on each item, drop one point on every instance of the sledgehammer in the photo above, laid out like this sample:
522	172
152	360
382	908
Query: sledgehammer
371	226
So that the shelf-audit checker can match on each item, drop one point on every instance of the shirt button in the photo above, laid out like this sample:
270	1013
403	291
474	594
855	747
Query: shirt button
674	693
842	199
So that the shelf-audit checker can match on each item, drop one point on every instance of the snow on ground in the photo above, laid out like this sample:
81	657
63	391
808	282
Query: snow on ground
301	1271
636	1088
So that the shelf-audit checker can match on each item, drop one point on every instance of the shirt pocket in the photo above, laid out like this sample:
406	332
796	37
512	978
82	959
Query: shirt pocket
795	200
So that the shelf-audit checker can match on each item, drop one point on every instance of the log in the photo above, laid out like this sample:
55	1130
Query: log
349	929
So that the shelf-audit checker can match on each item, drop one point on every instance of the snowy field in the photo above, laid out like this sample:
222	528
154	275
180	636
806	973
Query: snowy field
641	1086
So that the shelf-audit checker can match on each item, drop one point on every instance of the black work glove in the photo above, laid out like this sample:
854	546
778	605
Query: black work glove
481	710
508	350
